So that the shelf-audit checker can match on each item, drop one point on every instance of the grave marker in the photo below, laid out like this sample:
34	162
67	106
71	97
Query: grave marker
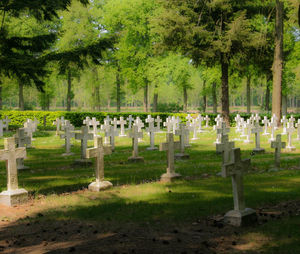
135	134
122	123
6	122
278	145
84	136
68	129
181	132
130	120
151	130
169	146
13	195
241	215
206	121
226	148
112	133
21	140
98	152
289	130
95	124
266	123
158	122
256	130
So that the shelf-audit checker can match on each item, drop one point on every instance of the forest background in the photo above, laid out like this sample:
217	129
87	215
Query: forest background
149	55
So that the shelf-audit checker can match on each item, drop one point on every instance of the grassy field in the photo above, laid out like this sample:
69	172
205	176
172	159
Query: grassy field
137	196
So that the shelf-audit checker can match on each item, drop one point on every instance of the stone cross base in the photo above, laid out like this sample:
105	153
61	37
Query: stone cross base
169	177
240	218
290	148
67	154
181	156
136	159
151	148
83	162
194	138
258	150
99	186
13	197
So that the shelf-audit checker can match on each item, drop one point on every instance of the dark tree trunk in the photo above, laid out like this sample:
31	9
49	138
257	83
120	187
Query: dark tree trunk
248	94
225	93
278	61
1	102
204	97
267	106
185	99
155	100
69	93
118	81
284	105
146	97
21	96
214	97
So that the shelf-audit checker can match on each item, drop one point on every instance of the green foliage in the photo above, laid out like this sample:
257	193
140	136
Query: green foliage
169	107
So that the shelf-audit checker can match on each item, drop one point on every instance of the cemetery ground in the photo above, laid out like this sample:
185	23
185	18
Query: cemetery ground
140	214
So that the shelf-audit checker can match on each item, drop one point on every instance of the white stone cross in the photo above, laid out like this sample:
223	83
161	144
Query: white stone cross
273	125
199	120
242	123
115	123
222	130
135	134
139	123
130	120
194	125
68	129
257	129
6	122
175	121
237	120
95	124
151	130
112	133
10	154
22	140
290	129
158	122
225	147
298	129
182	132
252	119
168	123
257	118
57	122
248	126
278	145
206	118
292	120
122	123
284	121
98	152
274	119
236	170
29	128
266	123
84	136
106	128
188	128
86	121
170	146
107	118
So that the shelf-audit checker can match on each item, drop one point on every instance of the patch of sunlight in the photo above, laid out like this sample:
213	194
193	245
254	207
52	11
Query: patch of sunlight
274	189
47	177
296	180
254	241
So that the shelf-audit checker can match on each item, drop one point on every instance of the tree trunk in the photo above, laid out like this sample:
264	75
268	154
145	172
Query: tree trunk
225	93
155	100
69	93
214	97
146	97
248	94
21	96
278	61
1	102
267	106
118	81
185	98
98	105
204	97
284	105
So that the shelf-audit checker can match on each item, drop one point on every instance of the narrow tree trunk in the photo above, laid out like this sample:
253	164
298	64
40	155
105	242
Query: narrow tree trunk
248	94
155	100
225	93
204	96
69	93
146	97
278	61
21	96
118	81
98	105
284	105
267	106
185	98
214	97
1	102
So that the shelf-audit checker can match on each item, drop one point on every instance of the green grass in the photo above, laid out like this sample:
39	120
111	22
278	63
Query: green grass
137	197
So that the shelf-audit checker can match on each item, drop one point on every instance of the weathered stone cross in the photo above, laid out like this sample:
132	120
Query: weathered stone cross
278	145
122	123
95	124
273	125
135	134
248	126
284	121
68	129
225	147
266	123
106	128
223	130
168	123
6	122
151	130
199	120
21	141
298	129
189	118
240	215
130	120
57	122
170	146
115	123
10	154
257	129
1	128
206	118
112	133
139	123
181	132
290	129
158	122
84	136
98	152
